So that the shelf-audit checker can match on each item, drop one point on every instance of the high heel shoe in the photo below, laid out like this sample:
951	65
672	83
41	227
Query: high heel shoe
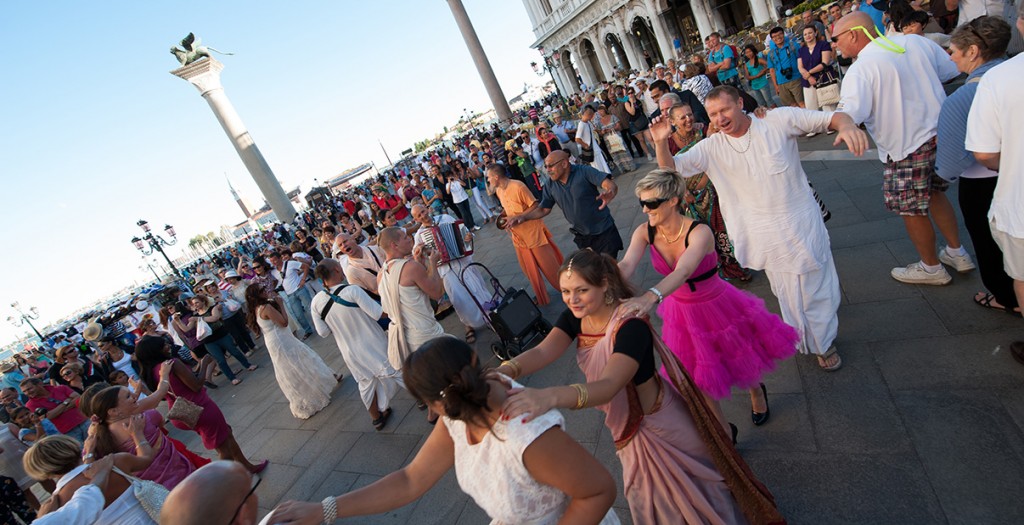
735	431
762	418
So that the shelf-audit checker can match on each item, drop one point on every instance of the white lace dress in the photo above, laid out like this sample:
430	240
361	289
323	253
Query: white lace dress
493	474
303	376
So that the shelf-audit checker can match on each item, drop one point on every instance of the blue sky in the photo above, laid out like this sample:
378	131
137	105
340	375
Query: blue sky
97	134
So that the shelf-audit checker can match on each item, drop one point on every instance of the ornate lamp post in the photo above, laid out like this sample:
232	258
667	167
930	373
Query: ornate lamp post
147	264
550	63
25	318
156	243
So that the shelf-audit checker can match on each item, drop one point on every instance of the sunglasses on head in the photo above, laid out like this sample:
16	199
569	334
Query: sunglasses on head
653	204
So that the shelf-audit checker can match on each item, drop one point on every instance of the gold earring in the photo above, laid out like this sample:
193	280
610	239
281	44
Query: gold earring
608	299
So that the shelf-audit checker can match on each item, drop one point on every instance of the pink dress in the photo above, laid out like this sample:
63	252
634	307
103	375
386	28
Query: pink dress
678	466
169	466
723	336
211	427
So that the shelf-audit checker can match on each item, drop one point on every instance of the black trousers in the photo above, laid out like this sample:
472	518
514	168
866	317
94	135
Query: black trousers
466	214
609	242
975	197
239	333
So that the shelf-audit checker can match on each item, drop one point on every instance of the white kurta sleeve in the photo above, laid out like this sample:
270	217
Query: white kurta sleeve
693	161
984	133
799	121
366	304
316	306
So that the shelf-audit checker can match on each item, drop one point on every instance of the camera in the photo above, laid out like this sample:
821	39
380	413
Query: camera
41	412
786	72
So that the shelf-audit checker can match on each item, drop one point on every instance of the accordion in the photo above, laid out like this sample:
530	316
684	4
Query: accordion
447	240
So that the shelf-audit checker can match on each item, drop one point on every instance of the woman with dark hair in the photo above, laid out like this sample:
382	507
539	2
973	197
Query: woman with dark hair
518	472
755	70
153	355
111	410
975	47
678	463
307	382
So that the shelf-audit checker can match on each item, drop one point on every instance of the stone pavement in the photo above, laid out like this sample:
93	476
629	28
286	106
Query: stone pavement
924	423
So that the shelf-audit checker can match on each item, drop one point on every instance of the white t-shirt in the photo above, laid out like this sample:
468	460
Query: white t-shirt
458	192
898	96
995	125
292	279
971	9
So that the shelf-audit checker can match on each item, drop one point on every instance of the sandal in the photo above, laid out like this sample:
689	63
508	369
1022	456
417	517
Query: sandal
339	377
236	381
830	361
252	368
378	424
209	384
470	336
989	301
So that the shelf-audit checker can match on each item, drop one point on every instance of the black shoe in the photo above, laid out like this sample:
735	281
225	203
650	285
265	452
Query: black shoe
421	406
735	431
762	418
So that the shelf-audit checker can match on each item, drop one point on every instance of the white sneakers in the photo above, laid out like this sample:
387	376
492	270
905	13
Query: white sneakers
916	274
960	263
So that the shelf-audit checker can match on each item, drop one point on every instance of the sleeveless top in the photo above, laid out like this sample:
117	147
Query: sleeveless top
694	279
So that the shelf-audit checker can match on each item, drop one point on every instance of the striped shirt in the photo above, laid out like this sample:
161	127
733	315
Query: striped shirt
952	158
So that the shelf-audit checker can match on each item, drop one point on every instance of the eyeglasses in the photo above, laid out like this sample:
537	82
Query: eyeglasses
549	166
882	41
653	204
242	504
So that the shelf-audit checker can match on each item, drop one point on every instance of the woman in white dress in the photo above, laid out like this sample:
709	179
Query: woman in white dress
303	376
518	473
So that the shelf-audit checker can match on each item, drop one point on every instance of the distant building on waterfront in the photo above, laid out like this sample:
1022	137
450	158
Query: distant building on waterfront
589	39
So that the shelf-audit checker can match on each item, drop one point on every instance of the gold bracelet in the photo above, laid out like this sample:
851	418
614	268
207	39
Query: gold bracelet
517	370
581	395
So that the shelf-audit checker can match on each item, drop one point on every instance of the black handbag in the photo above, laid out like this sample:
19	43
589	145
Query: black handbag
587	152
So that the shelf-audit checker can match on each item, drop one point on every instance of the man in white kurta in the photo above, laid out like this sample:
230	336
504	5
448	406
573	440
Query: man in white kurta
457	285
772	217
362	342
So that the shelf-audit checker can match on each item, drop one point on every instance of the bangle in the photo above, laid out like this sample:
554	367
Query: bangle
144	443
330	505
581	395
657	293
514	365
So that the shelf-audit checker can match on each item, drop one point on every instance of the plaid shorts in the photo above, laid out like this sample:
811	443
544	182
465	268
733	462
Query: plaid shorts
907	184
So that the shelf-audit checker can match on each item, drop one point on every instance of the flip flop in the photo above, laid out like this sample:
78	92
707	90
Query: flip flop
378	424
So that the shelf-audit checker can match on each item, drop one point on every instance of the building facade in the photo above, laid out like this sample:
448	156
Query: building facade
586	41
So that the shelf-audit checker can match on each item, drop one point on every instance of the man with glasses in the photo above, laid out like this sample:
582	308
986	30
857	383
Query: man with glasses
222	492
781	56
59	404
583	193
895	89
562	130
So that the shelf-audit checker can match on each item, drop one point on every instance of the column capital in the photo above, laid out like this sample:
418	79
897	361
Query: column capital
203	74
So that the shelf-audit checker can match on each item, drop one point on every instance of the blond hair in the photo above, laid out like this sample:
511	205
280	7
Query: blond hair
665	182
52	456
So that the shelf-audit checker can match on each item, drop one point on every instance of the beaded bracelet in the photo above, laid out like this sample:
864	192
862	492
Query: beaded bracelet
330	505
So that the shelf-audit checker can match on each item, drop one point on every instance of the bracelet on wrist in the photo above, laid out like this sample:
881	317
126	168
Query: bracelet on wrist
515	367
330	505
581	395
657	293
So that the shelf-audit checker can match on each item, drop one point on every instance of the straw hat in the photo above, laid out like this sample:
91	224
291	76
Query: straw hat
92	331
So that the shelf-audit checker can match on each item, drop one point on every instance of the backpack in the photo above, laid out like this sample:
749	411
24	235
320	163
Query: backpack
736	56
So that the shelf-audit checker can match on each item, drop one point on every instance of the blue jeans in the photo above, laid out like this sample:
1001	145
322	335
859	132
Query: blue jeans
221	346
298	307
763	96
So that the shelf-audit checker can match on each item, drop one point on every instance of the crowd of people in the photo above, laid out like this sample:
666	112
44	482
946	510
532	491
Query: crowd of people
377	265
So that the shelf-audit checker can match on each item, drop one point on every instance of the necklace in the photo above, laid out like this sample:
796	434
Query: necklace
728	140
679	235
591	330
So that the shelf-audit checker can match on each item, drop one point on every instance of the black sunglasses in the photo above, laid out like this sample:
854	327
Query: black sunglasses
242	504
653	204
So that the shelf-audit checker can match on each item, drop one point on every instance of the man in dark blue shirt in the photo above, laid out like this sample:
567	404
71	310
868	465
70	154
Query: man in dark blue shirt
583	193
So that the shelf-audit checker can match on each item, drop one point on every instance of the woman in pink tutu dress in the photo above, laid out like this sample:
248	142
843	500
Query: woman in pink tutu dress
724	337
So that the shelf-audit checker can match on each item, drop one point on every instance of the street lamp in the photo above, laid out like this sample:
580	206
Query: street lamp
25	318
550	63
156	242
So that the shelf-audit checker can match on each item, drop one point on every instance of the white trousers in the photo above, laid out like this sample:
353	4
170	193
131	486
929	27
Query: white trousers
479	198
468	311
809	302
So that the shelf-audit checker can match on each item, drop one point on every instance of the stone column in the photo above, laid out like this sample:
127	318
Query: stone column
607	63
483	66
664	42
636	59
204	74
700	15
759	11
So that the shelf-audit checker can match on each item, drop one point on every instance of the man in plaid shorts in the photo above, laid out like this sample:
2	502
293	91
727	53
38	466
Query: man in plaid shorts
895	89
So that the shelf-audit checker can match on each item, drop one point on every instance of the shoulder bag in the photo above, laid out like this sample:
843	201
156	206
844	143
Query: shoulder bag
827	88
185	411
587	152
151	495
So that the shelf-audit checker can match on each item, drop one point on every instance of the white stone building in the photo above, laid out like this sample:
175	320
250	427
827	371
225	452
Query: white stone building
587	40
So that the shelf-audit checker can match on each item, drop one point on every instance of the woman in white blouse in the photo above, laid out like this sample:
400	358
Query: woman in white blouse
517	472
